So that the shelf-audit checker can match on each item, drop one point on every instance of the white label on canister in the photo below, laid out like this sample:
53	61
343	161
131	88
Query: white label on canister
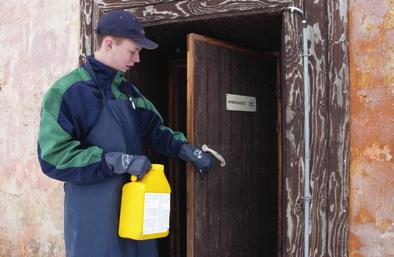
156	213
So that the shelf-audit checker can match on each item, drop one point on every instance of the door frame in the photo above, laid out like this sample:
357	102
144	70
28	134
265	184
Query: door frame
329	110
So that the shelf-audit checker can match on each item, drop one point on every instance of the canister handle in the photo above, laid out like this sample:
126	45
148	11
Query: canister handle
205	148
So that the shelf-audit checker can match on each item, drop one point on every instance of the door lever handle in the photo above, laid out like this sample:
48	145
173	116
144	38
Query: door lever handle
205	148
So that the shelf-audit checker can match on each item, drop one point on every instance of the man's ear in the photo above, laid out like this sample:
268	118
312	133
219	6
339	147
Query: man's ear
107	43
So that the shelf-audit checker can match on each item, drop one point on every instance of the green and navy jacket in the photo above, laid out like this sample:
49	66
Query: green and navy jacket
69	111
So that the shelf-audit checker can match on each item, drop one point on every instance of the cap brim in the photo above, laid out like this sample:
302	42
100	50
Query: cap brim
146	43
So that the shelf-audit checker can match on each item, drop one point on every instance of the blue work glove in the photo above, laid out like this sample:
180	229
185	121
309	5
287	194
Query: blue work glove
201	161
121	163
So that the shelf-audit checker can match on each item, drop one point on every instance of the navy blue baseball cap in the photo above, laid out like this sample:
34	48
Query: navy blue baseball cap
121	23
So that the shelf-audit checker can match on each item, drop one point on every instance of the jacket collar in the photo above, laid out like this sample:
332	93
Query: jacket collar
105	73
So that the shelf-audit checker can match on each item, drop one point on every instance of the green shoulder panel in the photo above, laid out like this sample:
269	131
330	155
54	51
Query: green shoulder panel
146	104
57	147
142	102
119	78
53	96
177	135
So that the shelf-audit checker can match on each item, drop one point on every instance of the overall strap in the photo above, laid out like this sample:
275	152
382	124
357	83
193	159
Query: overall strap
89	69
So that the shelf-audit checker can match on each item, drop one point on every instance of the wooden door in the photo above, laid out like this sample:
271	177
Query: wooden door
232	211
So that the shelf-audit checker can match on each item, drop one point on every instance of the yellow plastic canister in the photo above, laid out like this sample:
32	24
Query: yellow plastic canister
145	206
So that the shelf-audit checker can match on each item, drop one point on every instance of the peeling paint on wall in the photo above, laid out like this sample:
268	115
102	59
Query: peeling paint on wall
371	128
40	42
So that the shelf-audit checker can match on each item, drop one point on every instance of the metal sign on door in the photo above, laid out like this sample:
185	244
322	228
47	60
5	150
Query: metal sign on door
240	103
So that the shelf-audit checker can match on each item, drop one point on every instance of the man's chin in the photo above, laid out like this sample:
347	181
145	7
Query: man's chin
127	68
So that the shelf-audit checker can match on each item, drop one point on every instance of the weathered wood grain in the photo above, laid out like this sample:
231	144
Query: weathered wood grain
338	144
116	4
317	34
154	12
329	125
293	132
85	45
194	9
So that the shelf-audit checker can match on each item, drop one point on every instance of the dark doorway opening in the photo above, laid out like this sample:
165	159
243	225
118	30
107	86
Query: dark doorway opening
162	77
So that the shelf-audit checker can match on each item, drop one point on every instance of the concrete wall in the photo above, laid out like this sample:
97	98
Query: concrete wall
371	53
39	42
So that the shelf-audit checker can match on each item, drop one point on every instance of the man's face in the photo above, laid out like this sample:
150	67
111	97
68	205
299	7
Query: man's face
124	54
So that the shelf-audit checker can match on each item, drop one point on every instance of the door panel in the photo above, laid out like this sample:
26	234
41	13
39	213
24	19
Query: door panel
232	211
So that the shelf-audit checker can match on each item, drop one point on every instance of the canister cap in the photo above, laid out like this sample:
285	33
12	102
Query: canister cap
157	167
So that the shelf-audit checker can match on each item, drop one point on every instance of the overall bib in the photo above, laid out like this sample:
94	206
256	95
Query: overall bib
91	212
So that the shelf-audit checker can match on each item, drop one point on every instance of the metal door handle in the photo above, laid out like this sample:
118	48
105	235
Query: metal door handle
205	148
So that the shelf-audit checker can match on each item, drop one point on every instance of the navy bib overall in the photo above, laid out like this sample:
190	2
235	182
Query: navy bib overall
91	212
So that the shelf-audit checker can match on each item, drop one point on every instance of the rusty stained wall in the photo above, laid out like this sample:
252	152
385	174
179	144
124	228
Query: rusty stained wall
39	42
371	49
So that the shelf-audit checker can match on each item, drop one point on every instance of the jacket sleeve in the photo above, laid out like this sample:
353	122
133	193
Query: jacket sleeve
157	136
60	153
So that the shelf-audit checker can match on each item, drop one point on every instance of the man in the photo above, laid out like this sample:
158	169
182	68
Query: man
94	128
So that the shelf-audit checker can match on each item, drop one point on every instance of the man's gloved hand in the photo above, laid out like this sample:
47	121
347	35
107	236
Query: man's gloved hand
201	161
121	163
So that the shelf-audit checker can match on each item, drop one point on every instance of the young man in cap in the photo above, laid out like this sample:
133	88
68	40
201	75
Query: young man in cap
94	128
